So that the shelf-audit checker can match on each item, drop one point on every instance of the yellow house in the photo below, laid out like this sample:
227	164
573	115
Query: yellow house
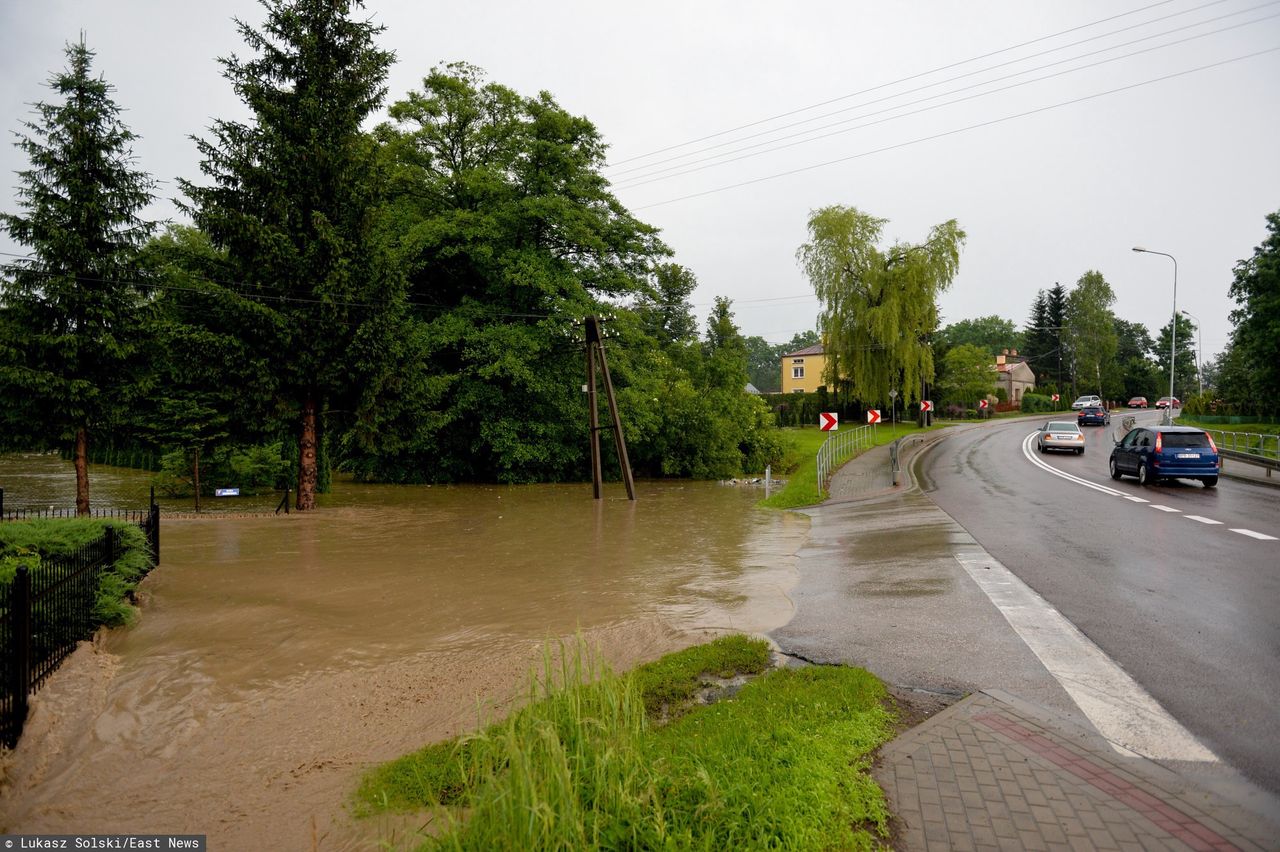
802	370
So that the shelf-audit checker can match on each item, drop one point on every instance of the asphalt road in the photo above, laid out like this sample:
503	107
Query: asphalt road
1170	581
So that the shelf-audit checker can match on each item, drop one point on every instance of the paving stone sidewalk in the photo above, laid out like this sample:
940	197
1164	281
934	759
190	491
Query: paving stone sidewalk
992	772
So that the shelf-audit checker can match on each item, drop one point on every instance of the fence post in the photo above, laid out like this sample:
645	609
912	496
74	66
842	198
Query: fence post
20	615
153	528
1	504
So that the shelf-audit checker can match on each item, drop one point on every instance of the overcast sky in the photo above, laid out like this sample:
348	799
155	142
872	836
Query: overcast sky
933	111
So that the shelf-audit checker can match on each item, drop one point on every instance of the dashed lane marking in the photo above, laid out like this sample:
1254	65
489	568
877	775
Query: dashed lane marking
1062	474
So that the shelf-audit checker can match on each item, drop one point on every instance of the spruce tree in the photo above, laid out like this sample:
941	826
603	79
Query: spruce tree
293	198
72	306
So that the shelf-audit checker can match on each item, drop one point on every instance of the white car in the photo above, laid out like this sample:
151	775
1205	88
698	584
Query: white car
1087	402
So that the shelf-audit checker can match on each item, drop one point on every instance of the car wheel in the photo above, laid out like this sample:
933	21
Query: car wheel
1080	451
1144	478
1210	481
1115	471
1042	447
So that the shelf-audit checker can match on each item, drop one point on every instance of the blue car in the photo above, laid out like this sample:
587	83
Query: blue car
1152	453
1094	415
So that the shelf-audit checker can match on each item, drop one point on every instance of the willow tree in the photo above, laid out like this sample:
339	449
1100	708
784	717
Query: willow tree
878	306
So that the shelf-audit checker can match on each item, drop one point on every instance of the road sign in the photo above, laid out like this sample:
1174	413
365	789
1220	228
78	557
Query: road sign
829	421
1055	397
873	415
982	403
226	492
926	405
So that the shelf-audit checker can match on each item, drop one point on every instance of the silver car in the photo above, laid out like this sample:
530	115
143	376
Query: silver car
1060	435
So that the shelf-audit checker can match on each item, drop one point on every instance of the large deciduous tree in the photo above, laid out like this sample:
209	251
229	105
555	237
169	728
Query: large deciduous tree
992	333
968	375
509	236
1256	289
71	308
878	306
1091	331
1184	373
293	197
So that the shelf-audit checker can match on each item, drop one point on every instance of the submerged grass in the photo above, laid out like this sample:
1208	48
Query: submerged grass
587	765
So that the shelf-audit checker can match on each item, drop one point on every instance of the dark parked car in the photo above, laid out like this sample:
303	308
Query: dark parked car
1094	416
1152	453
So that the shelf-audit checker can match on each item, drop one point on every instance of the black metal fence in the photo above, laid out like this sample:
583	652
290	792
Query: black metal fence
44	614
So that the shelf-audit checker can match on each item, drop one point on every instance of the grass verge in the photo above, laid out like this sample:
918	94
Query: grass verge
588	763
800	465
30	542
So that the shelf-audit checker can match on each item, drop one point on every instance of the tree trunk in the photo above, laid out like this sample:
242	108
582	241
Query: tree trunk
82	471
308	472
195	478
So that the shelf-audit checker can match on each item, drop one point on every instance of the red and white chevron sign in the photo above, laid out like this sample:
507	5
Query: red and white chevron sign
1056	397
829	421
873	415
926	405
982	403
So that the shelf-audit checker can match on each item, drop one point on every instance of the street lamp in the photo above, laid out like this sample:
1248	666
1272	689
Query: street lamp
1199	348
1173	328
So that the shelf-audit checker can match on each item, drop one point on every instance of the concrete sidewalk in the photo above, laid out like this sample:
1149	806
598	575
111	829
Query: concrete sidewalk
1013	763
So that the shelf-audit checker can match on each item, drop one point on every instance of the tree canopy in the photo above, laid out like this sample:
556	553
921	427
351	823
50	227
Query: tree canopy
1256	290
878	305
1091	332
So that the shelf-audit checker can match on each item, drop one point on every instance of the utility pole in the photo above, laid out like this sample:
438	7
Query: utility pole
595	357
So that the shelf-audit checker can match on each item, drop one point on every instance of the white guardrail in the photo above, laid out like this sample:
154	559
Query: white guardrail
1250	443
839	446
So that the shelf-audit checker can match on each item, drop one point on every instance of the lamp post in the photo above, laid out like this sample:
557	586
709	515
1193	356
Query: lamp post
1199	349
1173	328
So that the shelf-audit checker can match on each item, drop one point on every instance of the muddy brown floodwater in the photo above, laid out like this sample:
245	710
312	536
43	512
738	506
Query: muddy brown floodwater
278	657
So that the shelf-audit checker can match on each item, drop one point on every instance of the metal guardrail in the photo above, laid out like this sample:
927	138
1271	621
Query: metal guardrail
1248	443
838	447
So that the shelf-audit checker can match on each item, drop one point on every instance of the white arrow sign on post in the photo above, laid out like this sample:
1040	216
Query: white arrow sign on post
926	405
829	421
873	415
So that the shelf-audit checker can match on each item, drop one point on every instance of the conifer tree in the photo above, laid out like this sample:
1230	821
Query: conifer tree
293	199
72	306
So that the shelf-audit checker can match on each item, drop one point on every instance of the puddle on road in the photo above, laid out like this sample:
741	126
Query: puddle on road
278	656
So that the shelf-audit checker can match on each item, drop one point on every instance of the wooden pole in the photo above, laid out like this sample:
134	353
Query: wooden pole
595	349
597	475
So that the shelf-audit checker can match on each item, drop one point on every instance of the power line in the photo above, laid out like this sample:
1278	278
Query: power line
956	131
963	76
691	167
898	81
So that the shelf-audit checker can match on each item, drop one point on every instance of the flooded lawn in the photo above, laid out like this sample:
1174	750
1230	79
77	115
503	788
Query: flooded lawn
277	656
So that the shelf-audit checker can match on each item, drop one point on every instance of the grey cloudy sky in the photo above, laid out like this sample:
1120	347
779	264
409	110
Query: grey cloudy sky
1058	134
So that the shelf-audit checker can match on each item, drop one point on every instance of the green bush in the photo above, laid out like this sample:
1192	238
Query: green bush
32	542
251	469
1034	403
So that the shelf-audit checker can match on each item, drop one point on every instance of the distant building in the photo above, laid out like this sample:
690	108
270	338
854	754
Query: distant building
750	388
1014	374
802	370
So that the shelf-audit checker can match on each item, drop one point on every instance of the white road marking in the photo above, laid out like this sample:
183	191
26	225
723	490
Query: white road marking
1135	499
1026	451
1165	508
1118	707
1257	535
1202	519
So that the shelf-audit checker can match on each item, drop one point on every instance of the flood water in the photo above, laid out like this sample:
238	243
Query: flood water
278	656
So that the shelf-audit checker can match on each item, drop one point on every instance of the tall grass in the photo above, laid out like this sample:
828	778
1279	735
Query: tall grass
585	766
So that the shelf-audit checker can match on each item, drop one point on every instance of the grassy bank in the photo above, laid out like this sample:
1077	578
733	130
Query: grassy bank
600	760
29	543
800	467
1255	428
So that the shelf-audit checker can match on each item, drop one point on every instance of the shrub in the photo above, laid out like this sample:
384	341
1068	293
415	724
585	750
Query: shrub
1034	403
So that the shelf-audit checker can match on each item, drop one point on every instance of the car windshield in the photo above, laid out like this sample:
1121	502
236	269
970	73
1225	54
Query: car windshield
1059	426
1185	439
